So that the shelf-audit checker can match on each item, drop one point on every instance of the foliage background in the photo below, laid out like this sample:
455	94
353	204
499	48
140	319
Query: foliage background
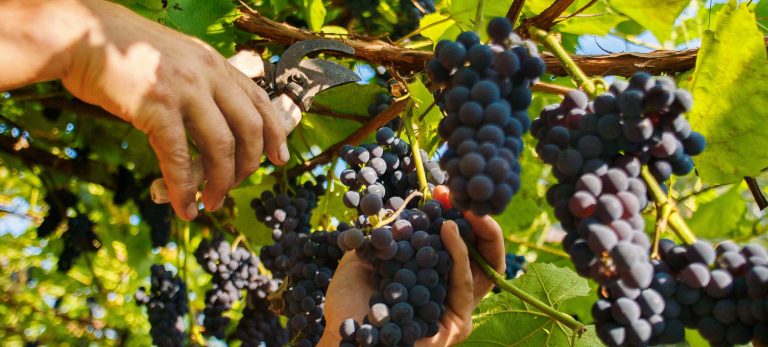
93	305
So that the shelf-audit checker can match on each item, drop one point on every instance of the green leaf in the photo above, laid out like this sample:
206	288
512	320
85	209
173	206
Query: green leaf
436	27
730	89
505	320
656	15
210	21
465	12
719	217
314	12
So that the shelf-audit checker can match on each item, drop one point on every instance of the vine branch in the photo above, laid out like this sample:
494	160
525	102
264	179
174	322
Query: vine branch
546	18
505	285
404	59
756	192
355	138
514	11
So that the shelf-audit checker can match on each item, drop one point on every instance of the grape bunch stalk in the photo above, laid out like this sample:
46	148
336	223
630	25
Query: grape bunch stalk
400	239
167	305
487	95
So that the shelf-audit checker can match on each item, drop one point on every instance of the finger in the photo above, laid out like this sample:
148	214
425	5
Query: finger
460	286
275	135
248	62
169	141
216	144
159	189
489	240
245	123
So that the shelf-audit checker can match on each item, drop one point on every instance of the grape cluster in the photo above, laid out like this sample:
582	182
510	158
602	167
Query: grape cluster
233	271
382	174
407	254
486	100
411	13
166	304
158	217
597	150
259	326
286	212
303	259
78	238
641	118
719	291
58	202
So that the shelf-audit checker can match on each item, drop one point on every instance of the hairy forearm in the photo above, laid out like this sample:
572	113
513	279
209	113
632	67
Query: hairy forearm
37	38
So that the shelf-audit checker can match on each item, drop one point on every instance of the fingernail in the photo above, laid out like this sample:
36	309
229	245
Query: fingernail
284	154
192	210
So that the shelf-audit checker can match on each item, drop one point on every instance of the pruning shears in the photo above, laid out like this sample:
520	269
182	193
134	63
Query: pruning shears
292	84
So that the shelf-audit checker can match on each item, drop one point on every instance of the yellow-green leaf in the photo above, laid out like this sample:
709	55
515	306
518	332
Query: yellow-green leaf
656	15
719	218
730	90
314	12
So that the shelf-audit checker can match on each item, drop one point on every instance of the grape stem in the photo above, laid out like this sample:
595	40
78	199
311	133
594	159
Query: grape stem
417	157
479	17
194	332
576	326
676	221
554	46
394	215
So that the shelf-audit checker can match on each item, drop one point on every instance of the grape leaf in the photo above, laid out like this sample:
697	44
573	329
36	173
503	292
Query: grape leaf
598	19
437	26
658	16
464	12
505	320
210	21
730	89
719	217
314	11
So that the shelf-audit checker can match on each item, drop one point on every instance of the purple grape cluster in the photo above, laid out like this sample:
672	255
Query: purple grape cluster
233	271
411	265
641	118
167	304
720	291
303	259
78	238
259	326
313	262
157	216
487	95
383	174
58	202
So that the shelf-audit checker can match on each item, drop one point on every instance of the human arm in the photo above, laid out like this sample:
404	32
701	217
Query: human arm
161	81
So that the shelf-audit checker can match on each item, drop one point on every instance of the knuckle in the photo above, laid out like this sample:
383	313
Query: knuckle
224	147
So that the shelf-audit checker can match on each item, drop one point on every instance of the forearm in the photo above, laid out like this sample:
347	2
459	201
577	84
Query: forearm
37	38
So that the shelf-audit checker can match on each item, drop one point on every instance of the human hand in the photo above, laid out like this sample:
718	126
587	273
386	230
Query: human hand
162	82
352	286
